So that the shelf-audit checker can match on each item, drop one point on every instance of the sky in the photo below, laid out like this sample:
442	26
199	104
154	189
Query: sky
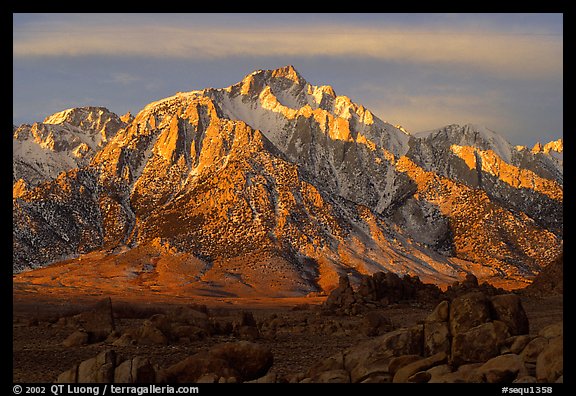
420	71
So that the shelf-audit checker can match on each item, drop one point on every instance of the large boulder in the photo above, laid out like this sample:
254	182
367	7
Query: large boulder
137	370
77	338
503	368
249	359
193	367
99	369
374	356
531	351
411	369
342	298
97	322
247	327
436	330
334	362
332	376
467	311
106	368
179	325
242	360
479	343
508	308
436	338
150	333
550	363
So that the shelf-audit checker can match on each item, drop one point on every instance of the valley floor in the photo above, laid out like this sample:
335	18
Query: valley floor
306	336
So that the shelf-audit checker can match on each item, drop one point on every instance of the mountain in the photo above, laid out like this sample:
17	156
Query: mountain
275	186
63	141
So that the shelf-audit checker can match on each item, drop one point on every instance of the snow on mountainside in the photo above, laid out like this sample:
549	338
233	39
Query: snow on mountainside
333	138
527	181
274	181
63	141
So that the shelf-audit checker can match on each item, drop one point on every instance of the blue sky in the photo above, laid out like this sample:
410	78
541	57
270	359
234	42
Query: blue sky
421	71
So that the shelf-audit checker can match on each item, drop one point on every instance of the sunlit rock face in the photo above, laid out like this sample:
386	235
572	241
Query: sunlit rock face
276	186
63	141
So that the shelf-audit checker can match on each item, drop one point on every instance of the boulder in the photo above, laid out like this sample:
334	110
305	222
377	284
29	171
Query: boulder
332	376
269	378
78	338
99	369
440	313
248	333
419	377
341	298
161	322
374	355
247	327
397	363
136	370
467	373
208	379
98	322
69	376
479	343
436	338
249	359
196	316
149	334
503	368
125	339
553	330
192	368
516	344
404	373
467	311
508	309
531	351
334	362
187	332
550	362
242	360
437	372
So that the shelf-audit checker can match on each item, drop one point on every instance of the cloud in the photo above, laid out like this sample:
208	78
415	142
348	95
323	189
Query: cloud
418	112
496	51
124	78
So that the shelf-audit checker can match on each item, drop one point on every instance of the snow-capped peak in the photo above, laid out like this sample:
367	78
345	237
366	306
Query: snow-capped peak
65	140
76	115
470	135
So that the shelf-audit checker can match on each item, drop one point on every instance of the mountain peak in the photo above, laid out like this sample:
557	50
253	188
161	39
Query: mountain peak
74	114
289	72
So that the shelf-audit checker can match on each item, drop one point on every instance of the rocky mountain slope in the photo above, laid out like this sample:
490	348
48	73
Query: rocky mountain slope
273	185
63	141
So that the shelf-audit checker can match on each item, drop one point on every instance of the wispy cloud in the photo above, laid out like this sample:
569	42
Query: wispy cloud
124	78
420	111
504	52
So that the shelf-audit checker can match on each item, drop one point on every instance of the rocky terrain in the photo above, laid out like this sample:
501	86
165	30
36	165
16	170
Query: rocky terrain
389	329
274	231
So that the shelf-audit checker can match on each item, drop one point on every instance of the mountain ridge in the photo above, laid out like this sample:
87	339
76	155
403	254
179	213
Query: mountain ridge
315	184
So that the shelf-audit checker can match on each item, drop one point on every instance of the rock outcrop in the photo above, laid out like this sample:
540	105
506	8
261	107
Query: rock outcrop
227	362
473	338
